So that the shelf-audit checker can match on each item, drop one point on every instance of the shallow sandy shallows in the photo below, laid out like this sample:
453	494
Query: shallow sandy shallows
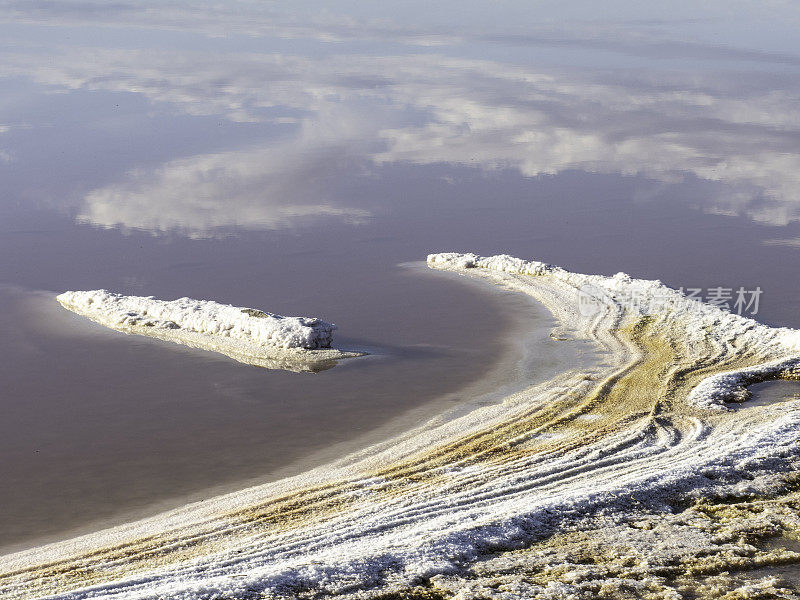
632	478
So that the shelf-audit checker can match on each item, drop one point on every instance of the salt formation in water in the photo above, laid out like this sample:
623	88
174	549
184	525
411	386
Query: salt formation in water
666	308
246	334
628	477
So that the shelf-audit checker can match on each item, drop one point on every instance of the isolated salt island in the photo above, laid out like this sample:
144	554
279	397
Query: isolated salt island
247	335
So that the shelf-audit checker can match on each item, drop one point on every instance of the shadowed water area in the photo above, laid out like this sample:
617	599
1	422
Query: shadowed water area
295	163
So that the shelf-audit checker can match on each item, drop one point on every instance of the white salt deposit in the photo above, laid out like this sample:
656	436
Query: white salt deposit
247	334
669	309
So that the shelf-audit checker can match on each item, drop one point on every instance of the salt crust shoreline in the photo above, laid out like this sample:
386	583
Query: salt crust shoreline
701	320
610	459
245	334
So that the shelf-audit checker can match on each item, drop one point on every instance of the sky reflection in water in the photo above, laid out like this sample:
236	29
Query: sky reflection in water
325	103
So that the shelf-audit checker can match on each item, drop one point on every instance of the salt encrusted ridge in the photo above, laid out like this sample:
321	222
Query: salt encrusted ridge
202	316
247	335
501	262
731	386
669	309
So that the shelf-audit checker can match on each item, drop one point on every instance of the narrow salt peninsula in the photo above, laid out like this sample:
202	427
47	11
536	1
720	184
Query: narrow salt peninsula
644	474
248	335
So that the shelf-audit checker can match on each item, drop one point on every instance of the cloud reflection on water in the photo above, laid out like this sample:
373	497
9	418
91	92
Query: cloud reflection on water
739	129
205	195
635	29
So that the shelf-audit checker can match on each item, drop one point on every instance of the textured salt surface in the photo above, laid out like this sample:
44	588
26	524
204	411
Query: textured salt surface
245	334
615	481
666	308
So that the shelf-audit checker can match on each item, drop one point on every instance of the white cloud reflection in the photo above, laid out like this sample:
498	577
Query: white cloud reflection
5	155
205	195
426	109
622	27
785	242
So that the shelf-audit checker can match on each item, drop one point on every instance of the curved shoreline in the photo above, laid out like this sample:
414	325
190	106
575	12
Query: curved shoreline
588	451
529	327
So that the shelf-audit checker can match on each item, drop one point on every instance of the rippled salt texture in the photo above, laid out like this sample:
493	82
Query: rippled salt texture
698	321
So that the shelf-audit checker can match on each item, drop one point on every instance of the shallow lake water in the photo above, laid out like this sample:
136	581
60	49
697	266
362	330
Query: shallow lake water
296	162
771	392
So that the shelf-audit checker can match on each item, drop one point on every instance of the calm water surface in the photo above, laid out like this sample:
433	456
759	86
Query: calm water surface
293	159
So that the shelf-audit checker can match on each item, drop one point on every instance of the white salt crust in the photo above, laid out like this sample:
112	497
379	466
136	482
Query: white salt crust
669	308
248	335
